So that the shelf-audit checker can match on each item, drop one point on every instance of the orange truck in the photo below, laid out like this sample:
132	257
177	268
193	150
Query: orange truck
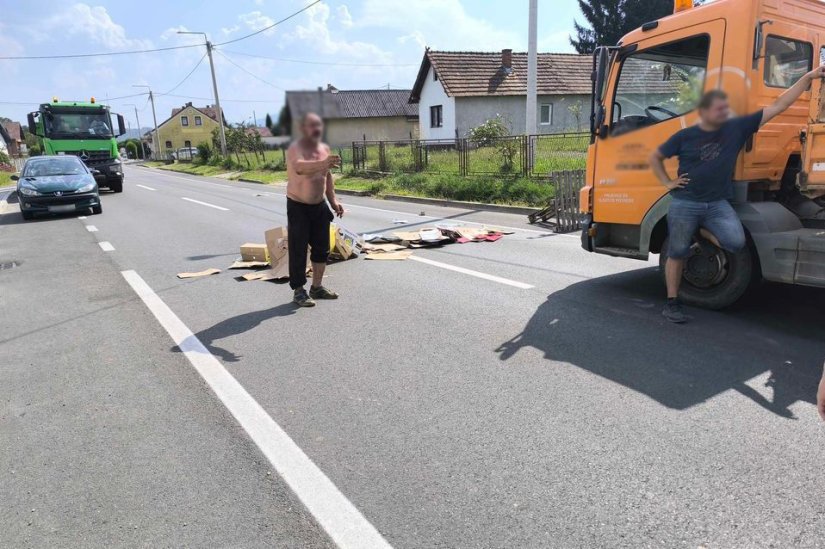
647	87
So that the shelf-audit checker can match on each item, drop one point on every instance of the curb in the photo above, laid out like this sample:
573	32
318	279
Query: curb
461	204
346	192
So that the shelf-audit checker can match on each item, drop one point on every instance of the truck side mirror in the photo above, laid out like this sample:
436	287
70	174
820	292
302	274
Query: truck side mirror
121	125
32	124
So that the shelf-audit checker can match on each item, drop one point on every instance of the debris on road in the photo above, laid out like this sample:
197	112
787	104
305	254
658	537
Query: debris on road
399	255
254	252
207	272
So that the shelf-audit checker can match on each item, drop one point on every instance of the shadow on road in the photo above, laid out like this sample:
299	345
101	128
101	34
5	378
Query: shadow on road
238	325
612	327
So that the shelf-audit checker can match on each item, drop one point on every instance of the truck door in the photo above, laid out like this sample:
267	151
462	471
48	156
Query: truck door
654	89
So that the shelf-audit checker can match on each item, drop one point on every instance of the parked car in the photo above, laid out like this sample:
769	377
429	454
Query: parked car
57	184
185	153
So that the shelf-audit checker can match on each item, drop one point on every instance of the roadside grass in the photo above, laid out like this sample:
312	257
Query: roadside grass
485	189
266	177
5	179
190	168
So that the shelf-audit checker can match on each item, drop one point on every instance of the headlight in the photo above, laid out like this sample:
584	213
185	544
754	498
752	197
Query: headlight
88	187
28	191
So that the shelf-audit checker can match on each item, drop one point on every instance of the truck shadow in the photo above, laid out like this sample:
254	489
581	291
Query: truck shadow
769	343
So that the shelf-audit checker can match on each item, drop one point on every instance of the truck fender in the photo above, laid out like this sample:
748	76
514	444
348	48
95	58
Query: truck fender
652	218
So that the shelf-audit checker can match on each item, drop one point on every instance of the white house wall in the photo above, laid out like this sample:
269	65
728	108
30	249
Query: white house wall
432	93
473	111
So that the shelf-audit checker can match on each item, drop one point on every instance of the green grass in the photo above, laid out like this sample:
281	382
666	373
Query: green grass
486	189
195	169
264	176
5	179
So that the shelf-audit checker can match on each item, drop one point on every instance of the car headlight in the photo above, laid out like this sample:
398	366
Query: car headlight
28	191
88	187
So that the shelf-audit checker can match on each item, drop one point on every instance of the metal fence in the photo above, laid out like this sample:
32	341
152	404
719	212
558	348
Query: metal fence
17	162
566	201
518	156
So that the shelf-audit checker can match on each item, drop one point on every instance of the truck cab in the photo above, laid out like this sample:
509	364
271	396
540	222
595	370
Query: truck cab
647	88
84	129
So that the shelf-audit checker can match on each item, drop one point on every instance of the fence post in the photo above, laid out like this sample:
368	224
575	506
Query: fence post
382	157
463	156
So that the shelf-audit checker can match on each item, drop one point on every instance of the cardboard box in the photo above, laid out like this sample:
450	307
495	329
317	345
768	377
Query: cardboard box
277	247
254	252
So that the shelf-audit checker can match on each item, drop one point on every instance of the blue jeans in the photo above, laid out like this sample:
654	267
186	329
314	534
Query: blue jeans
686	216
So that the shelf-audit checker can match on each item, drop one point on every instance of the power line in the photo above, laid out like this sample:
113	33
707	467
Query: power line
185	78
276	23
256	77
102	54
331	63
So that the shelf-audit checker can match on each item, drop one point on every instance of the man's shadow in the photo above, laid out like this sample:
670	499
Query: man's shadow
612	327
234	326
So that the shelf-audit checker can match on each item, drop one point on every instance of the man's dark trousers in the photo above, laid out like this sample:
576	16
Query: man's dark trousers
307	225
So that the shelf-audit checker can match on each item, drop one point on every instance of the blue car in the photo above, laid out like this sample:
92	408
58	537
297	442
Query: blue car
57	184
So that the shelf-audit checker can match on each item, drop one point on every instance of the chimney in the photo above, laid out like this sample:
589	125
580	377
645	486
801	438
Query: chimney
507	59
189	104
331	88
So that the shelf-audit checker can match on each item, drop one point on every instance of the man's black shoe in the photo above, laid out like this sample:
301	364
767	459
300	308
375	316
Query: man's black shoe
673	312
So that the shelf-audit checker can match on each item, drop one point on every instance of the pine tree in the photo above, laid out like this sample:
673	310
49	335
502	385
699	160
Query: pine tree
609	20
268	122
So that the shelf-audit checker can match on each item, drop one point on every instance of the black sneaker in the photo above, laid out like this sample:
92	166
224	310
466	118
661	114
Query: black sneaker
301	299
673	312
322	293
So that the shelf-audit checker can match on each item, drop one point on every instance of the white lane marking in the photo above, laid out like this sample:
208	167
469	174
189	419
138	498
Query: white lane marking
197	179
344	524
81	217
205	204
145	187
91	228
470	272
106	246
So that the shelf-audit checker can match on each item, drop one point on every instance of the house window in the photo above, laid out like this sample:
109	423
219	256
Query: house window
436	116
168	144
184	120
435	76
187	143
546	114
198	121
786	61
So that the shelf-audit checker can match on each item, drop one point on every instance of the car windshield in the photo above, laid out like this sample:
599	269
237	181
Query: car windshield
92	125
54	166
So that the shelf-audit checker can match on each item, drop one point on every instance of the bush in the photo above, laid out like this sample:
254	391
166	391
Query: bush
131	149
4	158
204	153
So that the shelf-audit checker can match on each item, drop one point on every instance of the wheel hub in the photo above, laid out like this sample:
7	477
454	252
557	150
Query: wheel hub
707	266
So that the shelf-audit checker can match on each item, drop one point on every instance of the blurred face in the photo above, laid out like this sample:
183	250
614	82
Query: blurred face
313	128
717	114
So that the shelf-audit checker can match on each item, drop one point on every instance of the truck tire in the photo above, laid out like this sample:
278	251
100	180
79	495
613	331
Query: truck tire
117	185
714	278
27	215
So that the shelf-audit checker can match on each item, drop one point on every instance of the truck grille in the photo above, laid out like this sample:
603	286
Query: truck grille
93	157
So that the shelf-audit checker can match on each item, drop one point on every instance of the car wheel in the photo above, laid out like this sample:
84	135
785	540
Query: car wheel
97	210
714	278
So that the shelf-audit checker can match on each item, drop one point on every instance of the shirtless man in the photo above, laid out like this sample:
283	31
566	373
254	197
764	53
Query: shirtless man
309	181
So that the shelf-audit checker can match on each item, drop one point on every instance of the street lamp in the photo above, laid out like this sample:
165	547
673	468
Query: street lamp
214	88
155	139
140	135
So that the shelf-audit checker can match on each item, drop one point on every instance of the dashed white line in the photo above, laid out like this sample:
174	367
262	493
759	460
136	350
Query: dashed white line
106	246
91	228
205	204
145	187
344	524
81	217
470	272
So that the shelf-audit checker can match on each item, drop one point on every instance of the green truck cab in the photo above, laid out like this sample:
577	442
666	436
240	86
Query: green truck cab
83	129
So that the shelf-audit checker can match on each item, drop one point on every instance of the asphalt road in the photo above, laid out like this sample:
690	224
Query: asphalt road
549	406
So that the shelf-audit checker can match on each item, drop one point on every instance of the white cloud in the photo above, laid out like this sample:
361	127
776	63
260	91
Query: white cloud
442	24
255	20
91	22
316	33
344	16
230	30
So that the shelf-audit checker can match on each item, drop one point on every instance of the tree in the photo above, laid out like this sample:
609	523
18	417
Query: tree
268	122
609	20
284	125
495	133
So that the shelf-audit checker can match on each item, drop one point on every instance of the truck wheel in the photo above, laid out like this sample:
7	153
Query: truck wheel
713	278
27	215
116	186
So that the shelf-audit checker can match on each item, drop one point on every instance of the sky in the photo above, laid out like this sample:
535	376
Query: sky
352	44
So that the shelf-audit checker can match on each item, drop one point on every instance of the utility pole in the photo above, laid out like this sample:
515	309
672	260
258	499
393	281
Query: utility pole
155	137
214	88
532	68
140	135
255	118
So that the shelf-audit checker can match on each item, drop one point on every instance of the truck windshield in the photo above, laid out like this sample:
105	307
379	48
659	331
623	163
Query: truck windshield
68	125
660	83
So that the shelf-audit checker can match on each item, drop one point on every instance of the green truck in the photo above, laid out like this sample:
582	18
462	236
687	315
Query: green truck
83	129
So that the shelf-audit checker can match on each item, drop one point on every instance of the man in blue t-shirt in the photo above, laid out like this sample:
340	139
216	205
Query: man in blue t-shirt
703	186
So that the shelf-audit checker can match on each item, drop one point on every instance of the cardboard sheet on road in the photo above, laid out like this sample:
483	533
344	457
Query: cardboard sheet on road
207	272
